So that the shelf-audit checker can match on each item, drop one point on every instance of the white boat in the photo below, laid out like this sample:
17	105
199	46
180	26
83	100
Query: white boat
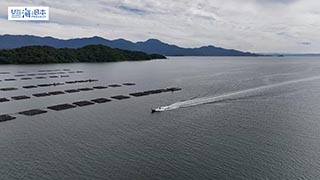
159	109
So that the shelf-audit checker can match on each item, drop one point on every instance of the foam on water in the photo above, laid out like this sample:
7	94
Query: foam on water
233	95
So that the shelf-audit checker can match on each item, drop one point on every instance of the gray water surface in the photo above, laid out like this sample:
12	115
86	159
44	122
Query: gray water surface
270	130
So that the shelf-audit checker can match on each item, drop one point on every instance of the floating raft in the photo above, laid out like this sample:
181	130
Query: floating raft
114	85
173	89
100	87
71	82
156	91
33	112
6	117
4	100
61	107
83	103
26	78
85	89
31	74
101	100
41	77
120	97
20	97
10	79
81	81
129	84
57	84
48	70
19	75
44	85
64	76
88	80
52	84
8	89
30	87
4	72
41	94
53	77
55	93
139	94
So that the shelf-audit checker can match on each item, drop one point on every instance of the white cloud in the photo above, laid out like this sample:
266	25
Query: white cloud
250	25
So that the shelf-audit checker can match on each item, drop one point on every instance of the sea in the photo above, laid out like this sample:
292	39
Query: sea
236	118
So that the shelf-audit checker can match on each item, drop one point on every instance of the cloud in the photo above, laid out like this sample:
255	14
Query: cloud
133	10
250	25
277	1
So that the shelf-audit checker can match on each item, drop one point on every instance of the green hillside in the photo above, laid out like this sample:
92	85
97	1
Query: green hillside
91	53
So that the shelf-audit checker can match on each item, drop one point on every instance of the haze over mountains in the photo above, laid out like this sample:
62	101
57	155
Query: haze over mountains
150	46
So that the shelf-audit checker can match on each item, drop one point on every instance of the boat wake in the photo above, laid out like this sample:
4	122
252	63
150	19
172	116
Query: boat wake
232	95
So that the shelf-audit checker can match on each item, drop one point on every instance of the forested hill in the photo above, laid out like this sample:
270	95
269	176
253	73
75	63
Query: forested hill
91	53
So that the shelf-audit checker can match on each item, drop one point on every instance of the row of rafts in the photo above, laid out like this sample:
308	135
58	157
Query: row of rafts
42	71
41	74
60	107
38	77
50	84
54	93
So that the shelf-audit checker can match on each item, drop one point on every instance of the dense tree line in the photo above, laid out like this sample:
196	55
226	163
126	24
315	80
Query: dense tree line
91	53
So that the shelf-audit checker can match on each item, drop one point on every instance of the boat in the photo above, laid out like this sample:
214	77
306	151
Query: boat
159	109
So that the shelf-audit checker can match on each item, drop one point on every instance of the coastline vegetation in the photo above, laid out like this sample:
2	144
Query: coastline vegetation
91	53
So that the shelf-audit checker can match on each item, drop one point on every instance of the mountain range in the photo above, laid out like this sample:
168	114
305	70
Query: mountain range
151	46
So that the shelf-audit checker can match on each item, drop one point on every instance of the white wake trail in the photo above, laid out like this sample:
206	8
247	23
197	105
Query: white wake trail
232	95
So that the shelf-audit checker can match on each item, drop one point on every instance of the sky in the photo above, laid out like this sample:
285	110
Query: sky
284	26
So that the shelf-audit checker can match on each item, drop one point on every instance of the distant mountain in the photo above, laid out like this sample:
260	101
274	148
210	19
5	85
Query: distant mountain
151	46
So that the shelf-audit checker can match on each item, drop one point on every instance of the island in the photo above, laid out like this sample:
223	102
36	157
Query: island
90	53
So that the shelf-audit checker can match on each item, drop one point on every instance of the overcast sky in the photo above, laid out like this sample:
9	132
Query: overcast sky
249	25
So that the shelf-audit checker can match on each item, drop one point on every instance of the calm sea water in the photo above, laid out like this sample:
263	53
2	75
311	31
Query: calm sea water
265	125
